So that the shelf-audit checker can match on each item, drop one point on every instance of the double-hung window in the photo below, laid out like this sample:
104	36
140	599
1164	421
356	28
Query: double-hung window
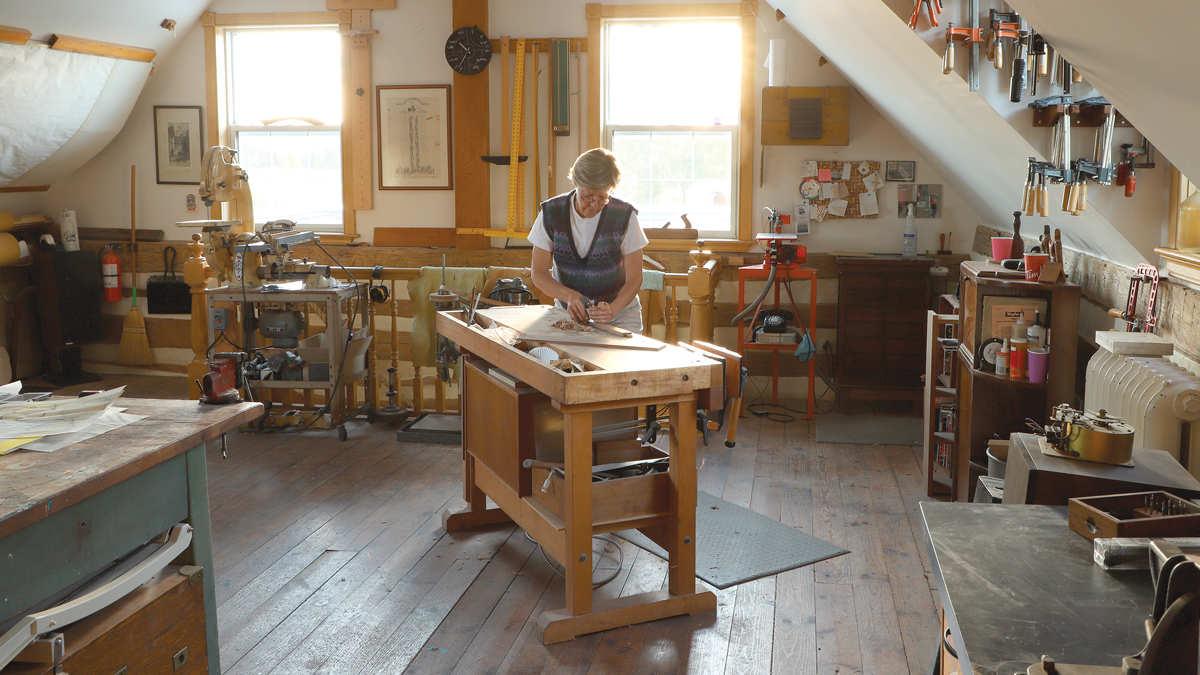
672	96
283	98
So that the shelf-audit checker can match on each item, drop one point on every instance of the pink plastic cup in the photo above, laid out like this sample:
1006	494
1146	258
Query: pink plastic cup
1039	361
1001	248
1033	264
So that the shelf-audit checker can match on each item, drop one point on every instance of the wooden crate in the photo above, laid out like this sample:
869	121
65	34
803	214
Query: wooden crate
1133	515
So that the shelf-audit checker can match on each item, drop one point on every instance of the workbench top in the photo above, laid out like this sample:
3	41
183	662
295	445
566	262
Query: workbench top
35	485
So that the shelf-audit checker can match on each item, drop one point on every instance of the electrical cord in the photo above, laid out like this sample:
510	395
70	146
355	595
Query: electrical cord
595	566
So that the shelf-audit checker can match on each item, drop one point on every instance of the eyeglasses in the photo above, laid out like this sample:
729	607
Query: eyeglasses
590	199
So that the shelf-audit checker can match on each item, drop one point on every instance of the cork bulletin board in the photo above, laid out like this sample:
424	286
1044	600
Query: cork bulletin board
854	184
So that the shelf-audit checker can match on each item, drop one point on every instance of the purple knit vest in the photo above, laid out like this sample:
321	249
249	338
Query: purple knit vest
600	274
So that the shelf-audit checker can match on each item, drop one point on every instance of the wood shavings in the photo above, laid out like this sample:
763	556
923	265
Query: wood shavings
569	324
568	365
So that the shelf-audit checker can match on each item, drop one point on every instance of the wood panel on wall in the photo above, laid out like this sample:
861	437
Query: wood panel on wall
472	176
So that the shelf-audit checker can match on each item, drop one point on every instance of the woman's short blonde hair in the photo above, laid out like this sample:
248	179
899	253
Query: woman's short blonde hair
596	169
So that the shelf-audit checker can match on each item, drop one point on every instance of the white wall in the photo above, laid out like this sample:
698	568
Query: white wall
409	50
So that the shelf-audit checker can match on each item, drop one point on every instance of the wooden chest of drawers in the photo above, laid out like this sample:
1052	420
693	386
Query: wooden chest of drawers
157	629
881	326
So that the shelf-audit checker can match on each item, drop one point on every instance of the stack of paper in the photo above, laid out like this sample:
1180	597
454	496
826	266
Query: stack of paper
46	426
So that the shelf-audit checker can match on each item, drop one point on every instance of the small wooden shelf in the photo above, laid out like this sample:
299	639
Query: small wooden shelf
983	374
946	391
944	436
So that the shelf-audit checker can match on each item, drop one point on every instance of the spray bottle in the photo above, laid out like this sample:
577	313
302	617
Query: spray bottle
910	234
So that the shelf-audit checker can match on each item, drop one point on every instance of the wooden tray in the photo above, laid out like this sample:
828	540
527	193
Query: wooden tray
1135	514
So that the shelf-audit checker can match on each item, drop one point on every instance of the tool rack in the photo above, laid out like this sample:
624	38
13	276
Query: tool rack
349	365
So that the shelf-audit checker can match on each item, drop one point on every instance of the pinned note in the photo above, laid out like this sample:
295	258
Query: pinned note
846	171
864	169
868	204
825	175
840	191
801	213
808	169
826	190
819	212
837	207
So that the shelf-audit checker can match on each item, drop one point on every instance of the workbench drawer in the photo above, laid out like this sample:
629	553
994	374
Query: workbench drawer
158	629
614	502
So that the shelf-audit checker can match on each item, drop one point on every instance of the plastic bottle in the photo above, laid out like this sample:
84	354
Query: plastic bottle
1020	329
1018	358
1002	359
910	234
1036	334
70	231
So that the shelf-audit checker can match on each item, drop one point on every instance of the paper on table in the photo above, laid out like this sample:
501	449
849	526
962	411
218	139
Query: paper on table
55	416
11	388
837	207
868	205
107	421
11	444
826	190
840	191
808	169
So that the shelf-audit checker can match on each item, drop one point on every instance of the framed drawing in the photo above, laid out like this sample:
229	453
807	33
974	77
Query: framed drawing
904	172
178	144
414	137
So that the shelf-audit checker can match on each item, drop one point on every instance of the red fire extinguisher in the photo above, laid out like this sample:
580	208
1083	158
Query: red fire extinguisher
110	270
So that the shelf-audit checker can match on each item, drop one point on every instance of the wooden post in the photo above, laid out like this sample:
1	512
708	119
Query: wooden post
472	176
702	285
196	273
578	550
681	525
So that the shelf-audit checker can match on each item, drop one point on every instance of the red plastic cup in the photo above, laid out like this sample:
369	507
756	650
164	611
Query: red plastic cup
1001	248
1033	264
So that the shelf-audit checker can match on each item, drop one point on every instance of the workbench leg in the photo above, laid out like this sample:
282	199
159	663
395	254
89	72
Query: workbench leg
681	519
201	548
578	511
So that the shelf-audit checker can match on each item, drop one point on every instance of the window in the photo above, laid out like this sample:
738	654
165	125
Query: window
673	119
284	108
671	94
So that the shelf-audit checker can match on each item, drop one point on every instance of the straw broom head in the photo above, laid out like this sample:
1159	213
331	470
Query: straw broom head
135	347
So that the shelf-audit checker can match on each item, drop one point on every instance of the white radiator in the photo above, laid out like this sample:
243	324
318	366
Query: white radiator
1129	377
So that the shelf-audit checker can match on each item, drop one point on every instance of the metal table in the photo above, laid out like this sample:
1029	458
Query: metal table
67	514
1016	583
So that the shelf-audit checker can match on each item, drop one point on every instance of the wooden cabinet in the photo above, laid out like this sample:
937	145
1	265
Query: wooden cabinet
158	629
881	326
991	406
941	409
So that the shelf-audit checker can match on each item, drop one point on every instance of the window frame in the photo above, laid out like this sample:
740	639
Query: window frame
218	128
1181	265
598	14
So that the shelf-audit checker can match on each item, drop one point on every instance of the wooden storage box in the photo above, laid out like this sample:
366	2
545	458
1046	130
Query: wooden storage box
1135	514
617	504
158	629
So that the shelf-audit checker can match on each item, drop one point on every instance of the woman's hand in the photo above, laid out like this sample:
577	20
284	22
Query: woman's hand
576	310
601	312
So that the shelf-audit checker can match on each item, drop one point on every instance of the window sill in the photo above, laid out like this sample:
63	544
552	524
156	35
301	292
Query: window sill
335	239
716	245
1181	265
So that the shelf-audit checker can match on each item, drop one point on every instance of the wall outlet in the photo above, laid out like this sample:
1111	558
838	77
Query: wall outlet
219	317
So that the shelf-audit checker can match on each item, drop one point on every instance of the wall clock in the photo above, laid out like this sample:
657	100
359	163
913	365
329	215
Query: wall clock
810	189
468	50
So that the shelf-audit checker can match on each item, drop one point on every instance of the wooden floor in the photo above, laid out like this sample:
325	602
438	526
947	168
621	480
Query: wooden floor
330	558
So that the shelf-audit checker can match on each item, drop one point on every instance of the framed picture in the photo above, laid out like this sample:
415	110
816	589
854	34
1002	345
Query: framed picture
904	172
926	200
178	144
414	137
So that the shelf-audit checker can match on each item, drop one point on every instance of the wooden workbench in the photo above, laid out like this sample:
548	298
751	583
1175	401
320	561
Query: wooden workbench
530	408
67	514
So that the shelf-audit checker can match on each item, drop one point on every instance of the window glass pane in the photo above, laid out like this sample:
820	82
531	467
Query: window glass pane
285	73
683	73
295	175
668	173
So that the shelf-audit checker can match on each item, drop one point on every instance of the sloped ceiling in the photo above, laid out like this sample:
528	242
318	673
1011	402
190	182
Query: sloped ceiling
127	22
971	145
1144	57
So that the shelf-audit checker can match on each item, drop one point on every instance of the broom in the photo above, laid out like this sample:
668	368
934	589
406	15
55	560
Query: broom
135	348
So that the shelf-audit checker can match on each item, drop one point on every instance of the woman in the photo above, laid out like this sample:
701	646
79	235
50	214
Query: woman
595	244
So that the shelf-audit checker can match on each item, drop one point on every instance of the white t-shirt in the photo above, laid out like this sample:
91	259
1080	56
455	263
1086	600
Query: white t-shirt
584	231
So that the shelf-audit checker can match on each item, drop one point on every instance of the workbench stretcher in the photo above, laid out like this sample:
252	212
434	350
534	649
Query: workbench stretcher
515	407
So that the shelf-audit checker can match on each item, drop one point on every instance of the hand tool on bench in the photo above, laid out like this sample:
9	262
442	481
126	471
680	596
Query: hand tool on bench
603	328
